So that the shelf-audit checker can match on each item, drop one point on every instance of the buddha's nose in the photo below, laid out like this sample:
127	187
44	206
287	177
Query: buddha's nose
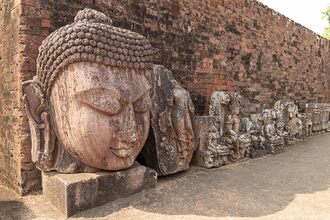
128	126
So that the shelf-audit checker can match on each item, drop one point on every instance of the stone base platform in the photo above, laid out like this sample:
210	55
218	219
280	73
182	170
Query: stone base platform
71	193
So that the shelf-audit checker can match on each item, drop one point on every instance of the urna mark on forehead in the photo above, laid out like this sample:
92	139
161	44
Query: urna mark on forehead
127	85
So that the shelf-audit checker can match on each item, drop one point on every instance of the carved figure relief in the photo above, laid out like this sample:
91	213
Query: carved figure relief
182	116
237	143
292	123
219	107
173	125
210	153
226	107
88	105
254	127
325	111
273	138
320	116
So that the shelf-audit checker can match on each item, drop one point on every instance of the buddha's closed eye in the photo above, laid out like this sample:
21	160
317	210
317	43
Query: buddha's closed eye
101	100
104	101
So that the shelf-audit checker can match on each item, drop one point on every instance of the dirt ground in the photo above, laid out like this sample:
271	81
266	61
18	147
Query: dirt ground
292	185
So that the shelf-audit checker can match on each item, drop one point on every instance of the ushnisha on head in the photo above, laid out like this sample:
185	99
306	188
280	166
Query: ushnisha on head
92	81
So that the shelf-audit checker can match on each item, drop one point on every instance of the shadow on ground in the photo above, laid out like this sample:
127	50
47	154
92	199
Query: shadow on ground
254	188
11	207
15	210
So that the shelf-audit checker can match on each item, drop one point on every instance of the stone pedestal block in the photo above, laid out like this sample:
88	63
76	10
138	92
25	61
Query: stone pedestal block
71	193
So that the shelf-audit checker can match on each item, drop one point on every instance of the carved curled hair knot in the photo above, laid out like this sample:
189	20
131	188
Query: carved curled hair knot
91	38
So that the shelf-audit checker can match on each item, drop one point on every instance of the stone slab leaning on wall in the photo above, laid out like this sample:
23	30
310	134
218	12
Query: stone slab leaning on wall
173	138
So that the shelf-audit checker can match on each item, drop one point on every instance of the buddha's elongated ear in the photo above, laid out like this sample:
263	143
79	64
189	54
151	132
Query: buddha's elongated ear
33	100
42	135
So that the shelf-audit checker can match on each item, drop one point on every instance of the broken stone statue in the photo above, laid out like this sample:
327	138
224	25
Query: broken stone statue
293	127
320	117
221	140
210	153
253	126
88	105
237	142
172	139
306	120
272	131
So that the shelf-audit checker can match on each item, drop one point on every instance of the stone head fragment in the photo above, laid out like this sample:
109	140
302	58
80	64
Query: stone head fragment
89	102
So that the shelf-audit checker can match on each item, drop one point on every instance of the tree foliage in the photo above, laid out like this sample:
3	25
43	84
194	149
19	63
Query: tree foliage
326	15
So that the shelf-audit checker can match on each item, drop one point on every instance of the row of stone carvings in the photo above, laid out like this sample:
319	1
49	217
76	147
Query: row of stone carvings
178	137
225	137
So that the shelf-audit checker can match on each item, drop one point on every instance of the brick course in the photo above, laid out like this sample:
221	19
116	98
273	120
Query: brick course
230	45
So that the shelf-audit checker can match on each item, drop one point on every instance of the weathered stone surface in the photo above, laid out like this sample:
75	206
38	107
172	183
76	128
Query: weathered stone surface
172	139
254	127
293	127
219	107
71	193
210	153
268	132
230	119
306	120
221	139
88	107
273	131
320	116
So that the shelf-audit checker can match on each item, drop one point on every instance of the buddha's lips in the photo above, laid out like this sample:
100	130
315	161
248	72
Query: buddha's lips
123	152
123	149
123	146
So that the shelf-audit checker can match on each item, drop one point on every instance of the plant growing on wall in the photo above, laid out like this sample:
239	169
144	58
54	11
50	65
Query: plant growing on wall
326	15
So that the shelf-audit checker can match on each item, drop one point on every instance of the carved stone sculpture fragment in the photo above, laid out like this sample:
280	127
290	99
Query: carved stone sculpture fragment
171	143
237	143
210	153
88	105
221	140
293	126
272	131
254	127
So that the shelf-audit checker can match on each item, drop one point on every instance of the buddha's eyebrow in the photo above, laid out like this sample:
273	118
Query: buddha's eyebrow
109	91
115	93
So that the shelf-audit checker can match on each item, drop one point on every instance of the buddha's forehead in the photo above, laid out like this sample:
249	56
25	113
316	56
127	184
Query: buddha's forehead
128	85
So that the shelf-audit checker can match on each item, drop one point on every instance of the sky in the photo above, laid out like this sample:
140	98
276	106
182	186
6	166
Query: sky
305	12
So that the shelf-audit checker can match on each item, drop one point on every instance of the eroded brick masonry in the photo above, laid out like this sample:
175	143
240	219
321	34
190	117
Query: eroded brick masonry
230	45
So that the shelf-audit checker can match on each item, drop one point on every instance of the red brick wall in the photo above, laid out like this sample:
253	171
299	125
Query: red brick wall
18	50
13	130
9	174
232	45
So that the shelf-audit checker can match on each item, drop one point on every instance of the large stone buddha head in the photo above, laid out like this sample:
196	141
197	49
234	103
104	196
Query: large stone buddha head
88	105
